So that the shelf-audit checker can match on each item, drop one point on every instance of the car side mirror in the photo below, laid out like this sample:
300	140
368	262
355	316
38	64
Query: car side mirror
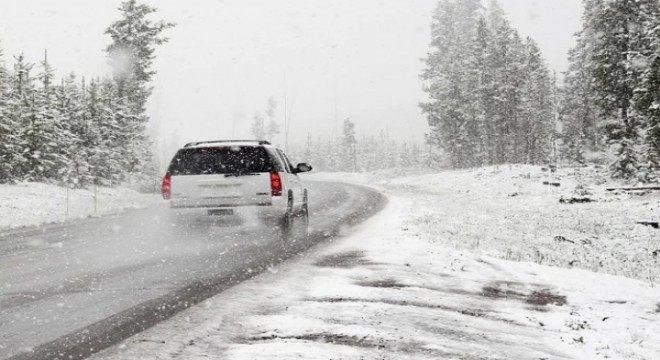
302	167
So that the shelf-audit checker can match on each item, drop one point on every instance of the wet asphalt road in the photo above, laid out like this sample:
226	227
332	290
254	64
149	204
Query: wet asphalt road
69	291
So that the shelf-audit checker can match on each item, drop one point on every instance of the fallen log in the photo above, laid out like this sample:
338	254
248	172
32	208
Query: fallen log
575	200
635	188
652	224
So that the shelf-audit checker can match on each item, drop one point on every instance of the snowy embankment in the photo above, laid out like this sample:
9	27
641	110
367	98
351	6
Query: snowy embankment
32	204
522	213
417	282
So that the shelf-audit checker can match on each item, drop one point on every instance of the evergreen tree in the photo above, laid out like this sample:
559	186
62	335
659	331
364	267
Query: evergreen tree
21	114
490	91
612	85
258	126
81	134
578	111
54	127
646	98
349	146
333	156
417	158
370	159
611	26
104	135
536	120
271	128
69	101
131	53
507	59
308	150
320	158
481	79
7	126
453	26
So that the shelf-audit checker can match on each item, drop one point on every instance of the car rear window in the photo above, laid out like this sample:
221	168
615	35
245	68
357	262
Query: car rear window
221	160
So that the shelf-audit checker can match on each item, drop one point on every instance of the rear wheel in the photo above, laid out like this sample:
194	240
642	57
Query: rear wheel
304	214
286	223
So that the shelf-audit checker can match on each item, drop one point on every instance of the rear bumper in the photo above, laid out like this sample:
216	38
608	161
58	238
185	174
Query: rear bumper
197	205
275	208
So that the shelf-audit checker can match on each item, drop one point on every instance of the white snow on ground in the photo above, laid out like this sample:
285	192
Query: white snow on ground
412	283
508	212
31	204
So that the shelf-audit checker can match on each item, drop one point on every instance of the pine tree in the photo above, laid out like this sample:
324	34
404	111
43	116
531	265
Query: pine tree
536	122
308	150
612	83
21	111
333	155
611	26
271	128
453	26
103	137
370	158
646	98
258	126
481	79
578	110
50	135
320	158
79	135
69	102
131	53
417	158
490	91
507	59
349	146
7	126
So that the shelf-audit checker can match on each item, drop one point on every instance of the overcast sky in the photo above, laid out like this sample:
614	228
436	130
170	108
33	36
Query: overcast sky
332	58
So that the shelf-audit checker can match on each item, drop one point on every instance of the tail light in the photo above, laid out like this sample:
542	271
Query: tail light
167	187
275	184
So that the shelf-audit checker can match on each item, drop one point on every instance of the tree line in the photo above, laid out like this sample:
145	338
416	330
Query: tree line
77	131
492	99
490	94
611	98
349	152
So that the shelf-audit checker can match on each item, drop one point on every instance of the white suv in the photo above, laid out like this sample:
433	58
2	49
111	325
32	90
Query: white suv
237	178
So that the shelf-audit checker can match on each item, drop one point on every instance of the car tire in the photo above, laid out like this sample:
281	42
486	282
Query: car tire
304	213
286	223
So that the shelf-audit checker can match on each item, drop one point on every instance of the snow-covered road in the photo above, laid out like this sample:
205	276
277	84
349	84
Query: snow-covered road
73	290
428	277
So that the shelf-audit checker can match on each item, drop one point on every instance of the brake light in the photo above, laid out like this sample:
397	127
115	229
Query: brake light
275	184
167	187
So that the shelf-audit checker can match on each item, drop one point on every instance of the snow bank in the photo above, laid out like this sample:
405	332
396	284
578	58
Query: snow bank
514	212
31	204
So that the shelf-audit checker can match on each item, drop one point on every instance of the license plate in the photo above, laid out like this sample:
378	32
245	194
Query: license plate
221	212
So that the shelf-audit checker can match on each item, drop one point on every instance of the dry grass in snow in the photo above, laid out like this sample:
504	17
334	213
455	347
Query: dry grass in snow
508	212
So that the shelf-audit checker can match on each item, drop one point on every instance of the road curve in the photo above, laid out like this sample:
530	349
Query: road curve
69	291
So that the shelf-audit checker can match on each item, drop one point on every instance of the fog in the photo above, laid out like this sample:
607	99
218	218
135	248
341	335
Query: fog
91	257
323	61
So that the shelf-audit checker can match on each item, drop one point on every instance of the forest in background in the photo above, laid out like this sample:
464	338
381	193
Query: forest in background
491	100
79	132
494	101
357	153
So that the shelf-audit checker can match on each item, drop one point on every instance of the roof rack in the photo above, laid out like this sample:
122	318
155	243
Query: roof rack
260	142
